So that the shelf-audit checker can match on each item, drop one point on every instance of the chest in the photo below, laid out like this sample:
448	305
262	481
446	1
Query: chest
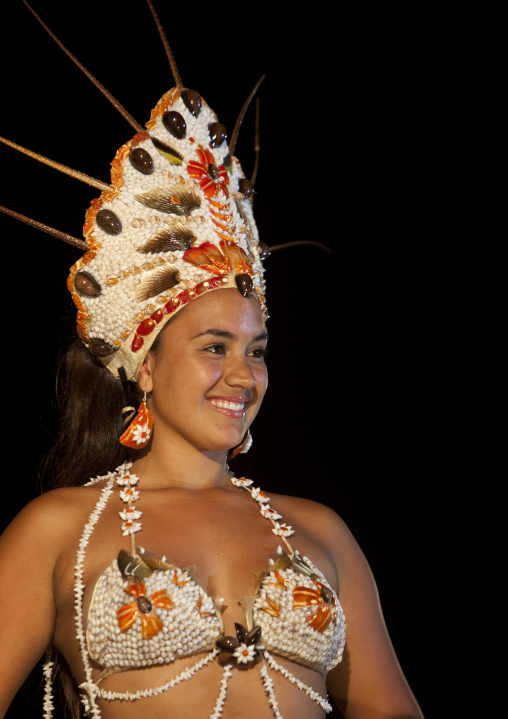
221	537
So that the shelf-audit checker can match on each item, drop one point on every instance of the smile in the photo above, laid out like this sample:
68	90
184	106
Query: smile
234	407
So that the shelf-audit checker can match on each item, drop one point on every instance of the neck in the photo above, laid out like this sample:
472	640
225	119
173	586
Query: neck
186	467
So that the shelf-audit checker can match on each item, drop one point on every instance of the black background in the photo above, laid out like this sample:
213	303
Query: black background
351	418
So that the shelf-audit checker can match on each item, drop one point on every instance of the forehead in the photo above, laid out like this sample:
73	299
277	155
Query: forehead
223	309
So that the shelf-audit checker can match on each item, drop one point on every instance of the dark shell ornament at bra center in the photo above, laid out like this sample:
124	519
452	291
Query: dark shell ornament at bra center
229	644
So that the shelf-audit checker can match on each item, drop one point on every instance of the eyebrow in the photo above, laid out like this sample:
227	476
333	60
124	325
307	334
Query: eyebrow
229	335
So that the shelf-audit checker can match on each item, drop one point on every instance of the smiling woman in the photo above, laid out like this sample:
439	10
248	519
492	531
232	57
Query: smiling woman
166	585
208	376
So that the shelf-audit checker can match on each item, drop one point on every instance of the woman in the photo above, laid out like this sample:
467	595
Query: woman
209	354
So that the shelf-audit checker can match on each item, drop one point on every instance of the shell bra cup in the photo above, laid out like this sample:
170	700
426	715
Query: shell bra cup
191	621
145	611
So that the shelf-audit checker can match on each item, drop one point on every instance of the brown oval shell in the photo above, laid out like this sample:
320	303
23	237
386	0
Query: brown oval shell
109	222
254	636
144	604
141	160
175	124
218	133
192	101
99	348
244	284
246	187
86	284
213	171
264	250
326	595
226	644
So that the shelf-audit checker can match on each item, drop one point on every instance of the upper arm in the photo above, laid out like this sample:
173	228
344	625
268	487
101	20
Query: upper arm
29	548
369	683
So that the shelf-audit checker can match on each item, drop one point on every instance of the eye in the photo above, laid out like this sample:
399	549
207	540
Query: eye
217	348
259	353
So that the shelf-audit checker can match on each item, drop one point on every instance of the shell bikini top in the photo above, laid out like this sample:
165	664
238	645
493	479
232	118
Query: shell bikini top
145	611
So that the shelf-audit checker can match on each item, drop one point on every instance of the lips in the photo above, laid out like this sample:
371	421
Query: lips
232	406
237	406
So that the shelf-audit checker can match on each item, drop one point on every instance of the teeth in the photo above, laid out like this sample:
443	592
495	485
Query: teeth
228	405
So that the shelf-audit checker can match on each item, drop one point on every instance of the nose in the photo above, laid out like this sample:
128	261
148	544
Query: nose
239	373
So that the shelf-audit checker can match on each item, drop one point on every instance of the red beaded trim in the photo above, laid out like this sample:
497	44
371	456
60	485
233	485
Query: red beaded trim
147	326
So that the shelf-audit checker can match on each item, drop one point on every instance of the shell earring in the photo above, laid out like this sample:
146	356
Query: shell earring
243	447
138	433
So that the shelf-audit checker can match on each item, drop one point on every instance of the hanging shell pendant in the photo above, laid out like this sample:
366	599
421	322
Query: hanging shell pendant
138	433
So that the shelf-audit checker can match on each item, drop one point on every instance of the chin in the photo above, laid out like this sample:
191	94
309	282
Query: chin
225	444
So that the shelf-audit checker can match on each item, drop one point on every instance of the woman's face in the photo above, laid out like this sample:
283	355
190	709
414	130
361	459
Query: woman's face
208	377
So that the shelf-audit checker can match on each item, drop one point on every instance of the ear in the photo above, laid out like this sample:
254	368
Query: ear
145	375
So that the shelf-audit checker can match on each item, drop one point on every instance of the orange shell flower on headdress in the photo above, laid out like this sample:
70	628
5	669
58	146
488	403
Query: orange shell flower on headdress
211	178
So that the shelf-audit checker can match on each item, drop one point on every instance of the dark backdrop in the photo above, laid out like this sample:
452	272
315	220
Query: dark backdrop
350	417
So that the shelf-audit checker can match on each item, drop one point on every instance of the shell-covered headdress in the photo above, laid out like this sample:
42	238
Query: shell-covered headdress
176	223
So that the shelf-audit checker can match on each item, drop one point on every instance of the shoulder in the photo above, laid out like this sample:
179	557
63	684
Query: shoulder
47	520
314	517
328	529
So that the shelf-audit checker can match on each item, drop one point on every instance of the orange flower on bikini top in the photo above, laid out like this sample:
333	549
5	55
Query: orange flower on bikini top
143	607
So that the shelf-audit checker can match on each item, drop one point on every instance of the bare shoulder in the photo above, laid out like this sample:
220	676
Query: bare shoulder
315	518
46	521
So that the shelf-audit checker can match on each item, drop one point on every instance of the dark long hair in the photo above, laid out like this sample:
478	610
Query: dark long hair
90	400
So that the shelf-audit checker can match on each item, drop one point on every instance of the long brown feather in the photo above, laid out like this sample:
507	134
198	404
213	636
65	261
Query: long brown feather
121	109
45	228
172	63
238	124
58	166
298	242
257	148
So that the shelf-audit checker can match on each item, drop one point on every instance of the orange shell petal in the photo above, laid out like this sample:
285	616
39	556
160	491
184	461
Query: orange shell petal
305	597
160	599
273	609
136	590
320	619
151	625
126	616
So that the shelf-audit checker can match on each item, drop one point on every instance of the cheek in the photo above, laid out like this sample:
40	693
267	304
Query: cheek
261	377
197	378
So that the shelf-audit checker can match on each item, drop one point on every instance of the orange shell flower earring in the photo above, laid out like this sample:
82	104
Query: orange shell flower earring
138	433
